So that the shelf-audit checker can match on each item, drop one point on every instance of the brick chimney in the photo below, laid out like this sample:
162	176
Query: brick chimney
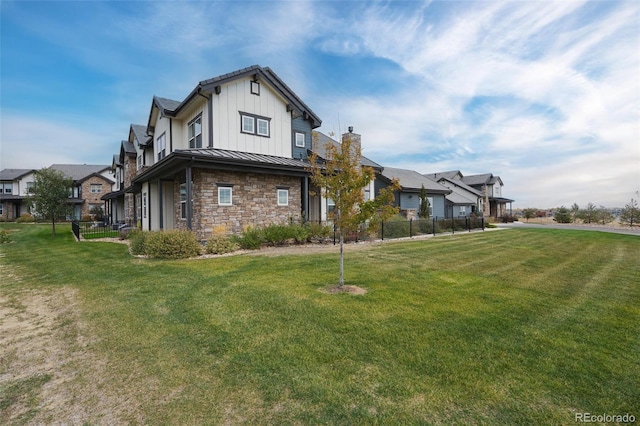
356	139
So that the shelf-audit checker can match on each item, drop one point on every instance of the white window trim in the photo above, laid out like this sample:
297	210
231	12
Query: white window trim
194	139
230	203
282	192
303	140
260	121
97	187
254	129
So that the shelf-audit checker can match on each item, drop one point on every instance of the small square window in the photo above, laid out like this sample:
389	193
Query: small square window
283	197
225	196
300	140
255	88
263	127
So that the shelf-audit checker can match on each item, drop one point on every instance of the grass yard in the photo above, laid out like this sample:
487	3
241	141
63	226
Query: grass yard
527	326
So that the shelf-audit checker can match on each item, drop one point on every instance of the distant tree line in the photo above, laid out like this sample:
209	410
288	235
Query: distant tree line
630	214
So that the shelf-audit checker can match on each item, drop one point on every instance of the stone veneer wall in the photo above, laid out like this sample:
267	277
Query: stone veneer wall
93	198
254	198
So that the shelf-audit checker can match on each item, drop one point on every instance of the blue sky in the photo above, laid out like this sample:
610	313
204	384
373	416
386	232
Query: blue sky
544	94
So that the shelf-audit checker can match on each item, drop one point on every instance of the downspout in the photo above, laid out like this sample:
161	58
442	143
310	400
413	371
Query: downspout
170	135
305	198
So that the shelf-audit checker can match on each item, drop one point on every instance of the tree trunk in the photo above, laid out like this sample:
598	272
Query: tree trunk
53	226
341	260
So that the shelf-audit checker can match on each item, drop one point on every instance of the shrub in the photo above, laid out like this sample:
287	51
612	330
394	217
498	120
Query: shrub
425	226
562	215
251	239
318	232
4	236
25	217
220	244
137	239
396	227
174	244
301	233
278	234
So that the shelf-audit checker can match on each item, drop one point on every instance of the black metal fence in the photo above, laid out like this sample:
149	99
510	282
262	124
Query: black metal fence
96	229
409	228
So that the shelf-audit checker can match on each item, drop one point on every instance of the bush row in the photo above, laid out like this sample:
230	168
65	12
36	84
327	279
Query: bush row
178	244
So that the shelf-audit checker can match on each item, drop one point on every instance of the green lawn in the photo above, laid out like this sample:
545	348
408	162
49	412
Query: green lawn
525	326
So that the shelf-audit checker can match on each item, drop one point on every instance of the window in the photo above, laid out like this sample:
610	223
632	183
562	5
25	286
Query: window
283	197
225	196
255	125
247	124
6	188
263	127
161	147
331	206
255	88
463	211
139	160
183	201
367	194
1	209
195	133
300	140
96	188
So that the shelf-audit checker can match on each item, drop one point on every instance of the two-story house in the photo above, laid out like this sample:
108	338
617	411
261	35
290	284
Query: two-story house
232	154
90	183
14	188
486	187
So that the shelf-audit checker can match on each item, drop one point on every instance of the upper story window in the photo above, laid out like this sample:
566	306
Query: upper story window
6	188
255	88
139	159
300	140
255	125
195	132
96	188
161	146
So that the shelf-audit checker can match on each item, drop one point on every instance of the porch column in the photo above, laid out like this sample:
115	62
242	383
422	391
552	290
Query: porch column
305	198
160	204
189	203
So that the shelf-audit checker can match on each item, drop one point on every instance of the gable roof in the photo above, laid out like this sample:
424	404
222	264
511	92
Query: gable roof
412	181
212	86
461	184
481	179
14	174
449	175
80	172
321	148
140	133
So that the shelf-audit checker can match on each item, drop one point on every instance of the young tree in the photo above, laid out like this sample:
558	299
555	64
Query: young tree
630	213
529	213
49	195
575	212
604	215
589	214
425	207
562	215
342	178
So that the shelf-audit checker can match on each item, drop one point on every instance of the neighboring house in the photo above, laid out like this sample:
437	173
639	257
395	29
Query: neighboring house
490	202
90	183
408	197
231	155
319	206
463	201
14	188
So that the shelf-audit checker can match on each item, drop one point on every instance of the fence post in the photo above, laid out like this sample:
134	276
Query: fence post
433	227
482	220
411	228
334	234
